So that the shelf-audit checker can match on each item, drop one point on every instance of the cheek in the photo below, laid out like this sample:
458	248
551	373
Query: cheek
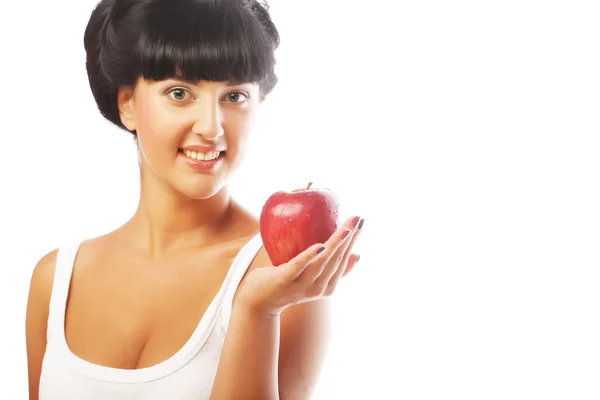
239	129
158	129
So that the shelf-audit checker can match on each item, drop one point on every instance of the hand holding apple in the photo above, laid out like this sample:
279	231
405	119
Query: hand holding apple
311	275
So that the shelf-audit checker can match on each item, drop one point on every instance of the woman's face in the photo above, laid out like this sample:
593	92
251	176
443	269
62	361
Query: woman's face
191	136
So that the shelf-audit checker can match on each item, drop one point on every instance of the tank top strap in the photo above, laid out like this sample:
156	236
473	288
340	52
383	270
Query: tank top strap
65	260
239	267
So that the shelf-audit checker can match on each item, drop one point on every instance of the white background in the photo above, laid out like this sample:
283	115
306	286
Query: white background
466	133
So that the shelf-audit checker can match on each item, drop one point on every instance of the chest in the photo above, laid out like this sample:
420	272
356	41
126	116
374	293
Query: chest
68	379
127	314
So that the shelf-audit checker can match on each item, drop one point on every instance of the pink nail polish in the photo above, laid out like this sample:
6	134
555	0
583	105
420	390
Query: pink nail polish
345	234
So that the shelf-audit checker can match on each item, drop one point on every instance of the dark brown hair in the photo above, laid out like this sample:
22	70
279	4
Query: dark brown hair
216	40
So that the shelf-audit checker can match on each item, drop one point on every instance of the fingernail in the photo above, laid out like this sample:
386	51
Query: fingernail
360	224
320	250
355	221
345	234
357	258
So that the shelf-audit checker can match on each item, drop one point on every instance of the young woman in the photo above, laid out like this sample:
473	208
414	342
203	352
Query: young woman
181	301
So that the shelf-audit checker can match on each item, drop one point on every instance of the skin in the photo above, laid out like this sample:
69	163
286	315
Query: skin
169	260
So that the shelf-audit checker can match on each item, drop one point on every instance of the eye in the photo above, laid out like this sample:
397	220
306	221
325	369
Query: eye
237	97
179	94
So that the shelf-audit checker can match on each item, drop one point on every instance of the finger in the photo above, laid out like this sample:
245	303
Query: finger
335	278
353	258
329	280
294	268
337	258
351	247
332	244
334	263
352	261
318	264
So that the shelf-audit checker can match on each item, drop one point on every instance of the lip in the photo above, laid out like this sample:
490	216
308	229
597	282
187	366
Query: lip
204	166
202	149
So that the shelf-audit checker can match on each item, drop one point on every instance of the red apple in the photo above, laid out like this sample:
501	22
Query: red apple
291	222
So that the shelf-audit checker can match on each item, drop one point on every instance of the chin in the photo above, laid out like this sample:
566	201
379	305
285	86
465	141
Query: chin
199	190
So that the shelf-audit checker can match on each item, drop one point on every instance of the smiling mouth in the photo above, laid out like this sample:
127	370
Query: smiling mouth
200	156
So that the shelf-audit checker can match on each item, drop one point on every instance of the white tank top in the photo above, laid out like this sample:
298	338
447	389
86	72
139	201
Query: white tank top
187	375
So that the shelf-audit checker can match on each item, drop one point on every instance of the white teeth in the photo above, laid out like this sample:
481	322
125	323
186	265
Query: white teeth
202	156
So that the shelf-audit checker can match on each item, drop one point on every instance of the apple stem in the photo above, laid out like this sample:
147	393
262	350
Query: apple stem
309	185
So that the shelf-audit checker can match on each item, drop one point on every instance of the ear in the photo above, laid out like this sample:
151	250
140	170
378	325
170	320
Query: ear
126	107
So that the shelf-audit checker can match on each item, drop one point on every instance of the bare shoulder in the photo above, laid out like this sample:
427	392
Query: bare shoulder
40	290
43	274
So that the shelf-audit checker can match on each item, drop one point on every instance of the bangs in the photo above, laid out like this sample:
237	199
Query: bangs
211	41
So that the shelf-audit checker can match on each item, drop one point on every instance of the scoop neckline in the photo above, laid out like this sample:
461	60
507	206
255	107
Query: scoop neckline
191	347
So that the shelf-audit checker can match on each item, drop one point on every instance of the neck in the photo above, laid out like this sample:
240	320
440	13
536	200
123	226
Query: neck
166	221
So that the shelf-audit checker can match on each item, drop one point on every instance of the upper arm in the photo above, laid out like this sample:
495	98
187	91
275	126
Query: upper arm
36	319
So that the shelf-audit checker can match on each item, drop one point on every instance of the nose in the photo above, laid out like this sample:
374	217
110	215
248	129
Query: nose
208	119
